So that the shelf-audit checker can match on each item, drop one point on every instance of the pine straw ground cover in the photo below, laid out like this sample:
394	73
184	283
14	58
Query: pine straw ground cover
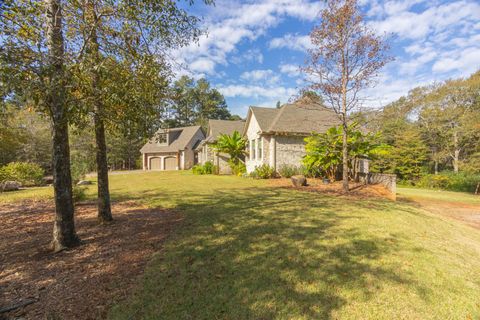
83	282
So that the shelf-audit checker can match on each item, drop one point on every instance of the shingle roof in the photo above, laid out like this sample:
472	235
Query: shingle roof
295	118
264	116
180	143
218	127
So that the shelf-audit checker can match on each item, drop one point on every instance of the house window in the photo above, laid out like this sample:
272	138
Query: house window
260	148
161	138
253	150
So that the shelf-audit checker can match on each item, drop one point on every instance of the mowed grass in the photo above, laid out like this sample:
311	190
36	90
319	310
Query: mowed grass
246	250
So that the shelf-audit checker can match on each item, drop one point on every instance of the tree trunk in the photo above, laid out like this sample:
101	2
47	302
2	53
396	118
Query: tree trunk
436	166
104	208
456	152
345	137
345	125
345	157
64	235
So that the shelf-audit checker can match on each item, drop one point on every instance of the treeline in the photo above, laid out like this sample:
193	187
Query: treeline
434	134
25	133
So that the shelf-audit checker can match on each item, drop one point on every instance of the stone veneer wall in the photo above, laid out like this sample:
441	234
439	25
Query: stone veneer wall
266	149
389	181
290	150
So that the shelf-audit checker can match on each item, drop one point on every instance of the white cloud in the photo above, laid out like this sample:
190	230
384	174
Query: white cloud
467	61
265	76
250	55
230	23
439	40
257	91
202	65
291	41
290	69
437	18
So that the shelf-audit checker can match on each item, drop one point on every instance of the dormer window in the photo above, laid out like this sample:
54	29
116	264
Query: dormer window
161	138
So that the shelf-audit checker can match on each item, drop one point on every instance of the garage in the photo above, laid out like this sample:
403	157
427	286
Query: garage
171	163
155	164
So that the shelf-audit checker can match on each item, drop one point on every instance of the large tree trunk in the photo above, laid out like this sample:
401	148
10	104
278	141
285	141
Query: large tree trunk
64	235
94	57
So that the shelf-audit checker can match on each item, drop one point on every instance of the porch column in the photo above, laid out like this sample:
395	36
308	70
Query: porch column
144	162
162	163
273	152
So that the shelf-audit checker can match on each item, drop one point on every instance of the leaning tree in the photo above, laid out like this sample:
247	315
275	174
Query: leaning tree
344	59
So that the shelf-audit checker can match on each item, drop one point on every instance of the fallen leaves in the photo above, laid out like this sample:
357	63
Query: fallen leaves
81	283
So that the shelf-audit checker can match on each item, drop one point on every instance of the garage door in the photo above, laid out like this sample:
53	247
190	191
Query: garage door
155	164
171	163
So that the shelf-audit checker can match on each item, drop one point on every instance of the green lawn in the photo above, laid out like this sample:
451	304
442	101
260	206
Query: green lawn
250	251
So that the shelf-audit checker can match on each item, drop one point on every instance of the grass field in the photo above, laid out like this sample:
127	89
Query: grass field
247	250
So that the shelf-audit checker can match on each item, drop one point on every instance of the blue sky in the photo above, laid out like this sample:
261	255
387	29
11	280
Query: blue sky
253	48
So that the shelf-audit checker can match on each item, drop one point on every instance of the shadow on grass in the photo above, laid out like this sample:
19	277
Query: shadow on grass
261	253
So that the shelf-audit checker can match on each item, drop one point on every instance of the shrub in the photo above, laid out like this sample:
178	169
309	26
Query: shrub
312	172
4	176
263	172
238	169
432	181
78	193
450	181
207	168
198	169
79	169
287	171
28	174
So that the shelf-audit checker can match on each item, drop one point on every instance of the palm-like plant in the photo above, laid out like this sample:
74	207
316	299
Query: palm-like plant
233	145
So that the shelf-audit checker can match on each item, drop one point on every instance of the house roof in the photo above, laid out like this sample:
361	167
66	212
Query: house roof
180	140
218	127
296	118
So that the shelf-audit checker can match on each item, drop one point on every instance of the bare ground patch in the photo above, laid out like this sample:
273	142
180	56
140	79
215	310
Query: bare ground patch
466	213
83	282
357	190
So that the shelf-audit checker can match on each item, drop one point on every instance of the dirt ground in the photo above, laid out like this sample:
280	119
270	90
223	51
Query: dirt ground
466	213
357	190
81	283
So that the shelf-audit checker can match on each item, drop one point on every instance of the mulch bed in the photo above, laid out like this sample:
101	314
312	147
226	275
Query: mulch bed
357	190
81	283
